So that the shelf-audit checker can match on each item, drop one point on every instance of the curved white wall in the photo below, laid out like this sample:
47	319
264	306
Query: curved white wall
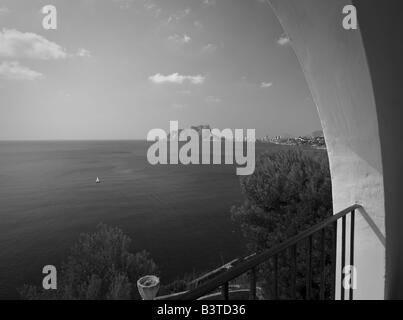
381	25
335	66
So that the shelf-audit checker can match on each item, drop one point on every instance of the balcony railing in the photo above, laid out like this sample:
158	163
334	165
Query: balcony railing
251	264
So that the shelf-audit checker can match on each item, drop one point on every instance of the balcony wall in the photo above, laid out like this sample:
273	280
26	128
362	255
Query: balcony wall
335	66
382	35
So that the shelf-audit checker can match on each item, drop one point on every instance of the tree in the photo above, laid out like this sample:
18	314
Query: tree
288	193
99	267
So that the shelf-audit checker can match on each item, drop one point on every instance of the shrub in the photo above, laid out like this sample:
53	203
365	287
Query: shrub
288	193
99	267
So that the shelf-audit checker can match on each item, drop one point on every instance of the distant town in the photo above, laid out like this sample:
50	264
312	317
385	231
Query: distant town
315	140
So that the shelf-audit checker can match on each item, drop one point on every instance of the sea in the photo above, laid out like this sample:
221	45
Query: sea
48	197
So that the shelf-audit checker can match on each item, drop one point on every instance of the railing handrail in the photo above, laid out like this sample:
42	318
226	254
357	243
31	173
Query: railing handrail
245	266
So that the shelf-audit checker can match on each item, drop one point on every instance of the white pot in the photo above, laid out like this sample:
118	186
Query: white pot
148	287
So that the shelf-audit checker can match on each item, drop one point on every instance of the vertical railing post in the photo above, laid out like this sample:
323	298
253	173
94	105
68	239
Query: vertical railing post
334	260
289	251
352	250
252	288
343	255
309	269
276	277
225	291
322	265
293	252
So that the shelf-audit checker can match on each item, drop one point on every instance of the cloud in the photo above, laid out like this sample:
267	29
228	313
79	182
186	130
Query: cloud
179	106
123	4
198	25
265	85
4	11
84	53
180	39
283	40
209	48
212	100
176	79
64	94
185	92
179	15
26	45
208	3
155	9
148	5
14	71
16	44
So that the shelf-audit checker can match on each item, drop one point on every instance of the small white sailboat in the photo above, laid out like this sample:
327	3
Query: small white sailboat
97	181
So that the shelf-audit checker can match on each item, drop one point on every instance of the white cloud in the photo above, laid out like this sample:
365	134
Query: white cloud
179	106
123	4
283	40
4	11
148	5
153	8
16	44
64	94
198	25
185	92
212	100
179	15
14	71
209	48
265	85
180	39
176	79
208	3
84	53
26	45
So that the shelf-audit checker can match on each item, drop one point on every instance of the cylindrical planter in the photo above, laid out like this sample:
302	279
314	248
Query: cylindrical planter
148	287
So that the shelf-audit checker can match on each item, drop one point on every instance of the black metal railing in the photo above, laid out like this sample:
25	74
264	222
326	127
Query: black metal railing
251	264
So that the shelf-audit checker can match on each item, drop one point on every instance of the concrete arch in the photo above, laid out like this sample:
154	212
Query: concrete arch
335	66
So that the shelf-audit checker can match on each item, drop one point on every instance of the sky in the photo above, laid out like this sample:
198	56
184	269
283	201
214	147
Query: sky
116	69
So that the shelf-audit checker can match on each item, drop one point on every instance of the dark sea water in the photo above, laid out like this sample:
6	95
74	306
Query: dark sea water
48	196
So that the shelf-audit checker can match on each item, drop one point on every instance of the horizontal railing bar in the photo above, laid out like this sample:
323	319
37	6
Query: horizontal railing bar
243	267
